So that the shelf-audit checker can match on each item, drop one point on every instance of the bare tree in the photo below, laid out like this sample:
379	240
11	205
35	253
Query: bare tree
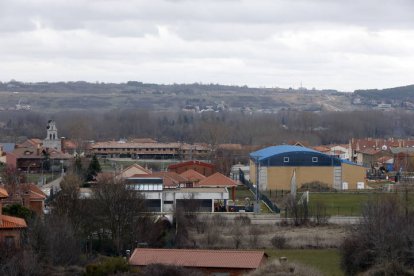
118	210
383	240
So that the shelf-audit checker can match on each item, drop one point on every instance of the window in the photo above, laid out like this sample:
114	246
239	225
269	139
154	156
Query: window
168	202
285	159
314	159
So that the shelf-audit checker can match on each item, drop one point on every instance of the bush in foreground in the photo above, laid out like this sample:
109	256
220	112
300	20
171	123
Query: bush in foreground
275	268
383	241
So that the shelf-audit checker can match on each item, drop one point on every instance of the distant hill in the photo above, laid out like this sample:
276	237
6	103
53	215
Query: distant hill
397	93
78	95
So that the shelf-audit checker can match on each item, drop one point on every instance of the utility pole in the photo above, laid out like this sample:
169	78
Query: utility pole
257	203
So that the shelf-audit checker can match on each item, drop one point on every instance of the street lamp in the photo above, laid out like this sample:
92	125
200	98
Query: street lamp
257	203
61	163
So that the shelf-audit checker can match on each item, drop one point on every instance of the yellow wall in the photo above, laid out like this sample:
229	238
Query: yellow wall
252	173
278	178
353	174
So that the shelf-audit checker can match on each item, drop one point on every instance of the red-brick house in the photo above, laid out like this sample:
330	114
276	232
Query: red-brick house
204	168
192	176
27	195
10	227
218	180
31	159
211	262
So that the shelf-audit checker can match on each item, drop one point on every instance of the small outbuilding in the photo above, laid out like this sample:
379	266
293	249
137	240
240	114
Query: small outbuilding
211	262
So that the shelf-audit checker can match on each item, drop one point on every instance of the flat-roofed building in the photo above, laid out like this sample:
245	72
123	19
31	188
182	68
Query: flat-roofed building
278	164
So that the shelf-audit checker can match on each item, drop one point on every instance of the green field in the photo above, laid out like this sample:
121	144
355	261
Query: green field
342	204
36	177
326	261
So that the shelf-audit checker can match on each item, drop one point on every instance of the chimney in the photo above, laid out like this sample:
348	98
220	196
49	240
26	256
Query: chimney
38	149
26	198
62	144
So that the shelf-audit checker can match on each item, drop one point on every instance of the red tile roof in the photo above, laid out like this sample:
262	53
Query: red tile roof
230	146
321	148
217	180
189	163
170	178
69	144
199	258
8	222
36	153
378	143
35	192
369	151
192	175
136	166
3	193
34	142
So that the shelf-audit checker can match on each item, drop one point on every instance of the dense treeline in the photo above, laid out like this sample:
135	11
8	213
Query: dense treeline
397	93
212	128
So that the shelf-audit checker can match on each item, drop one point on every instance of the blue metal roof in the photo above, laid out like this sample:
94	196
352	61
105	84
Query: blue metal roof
276	150
8	147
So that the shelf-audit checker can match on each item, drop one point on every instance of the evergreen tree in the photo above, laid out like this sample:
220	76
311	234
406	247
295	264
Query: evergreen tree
93	169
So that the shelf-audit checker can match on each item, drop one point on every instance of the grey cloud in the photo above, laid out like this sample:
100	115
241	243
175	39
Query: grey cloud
337	44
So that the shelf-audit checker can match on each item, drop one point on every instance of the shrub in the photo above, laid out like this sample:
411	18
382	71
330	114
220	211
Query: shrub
275	268
315	186
219	220
168	270
254	232
243	220
384	236
17	210
107	266
320	214
279	242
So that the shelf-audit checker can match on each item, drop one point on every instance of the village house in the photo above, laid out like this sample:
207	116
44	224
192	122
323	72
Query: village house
403	159
35	155
34	159
10	227
210	262
166	190
203	168
27	195
4	149
358	146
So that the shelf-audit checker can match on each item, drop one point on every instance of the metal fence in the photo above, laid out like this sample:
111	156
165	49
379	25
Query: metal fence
262	197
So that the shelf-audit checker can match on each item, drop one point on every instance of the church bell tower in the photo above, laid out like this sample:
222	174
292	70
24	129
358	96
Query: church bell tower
52	140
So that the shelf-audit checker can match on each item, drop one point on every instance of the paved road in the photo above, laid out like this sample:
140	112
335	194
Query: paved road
55	184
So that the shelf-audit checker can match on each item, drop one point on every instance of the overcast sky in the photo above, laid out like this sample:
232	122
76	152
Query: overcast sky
340	44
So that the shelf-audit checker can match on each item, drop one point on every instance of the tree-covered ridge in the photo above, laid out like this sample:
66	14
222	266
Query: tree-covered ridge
396	93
